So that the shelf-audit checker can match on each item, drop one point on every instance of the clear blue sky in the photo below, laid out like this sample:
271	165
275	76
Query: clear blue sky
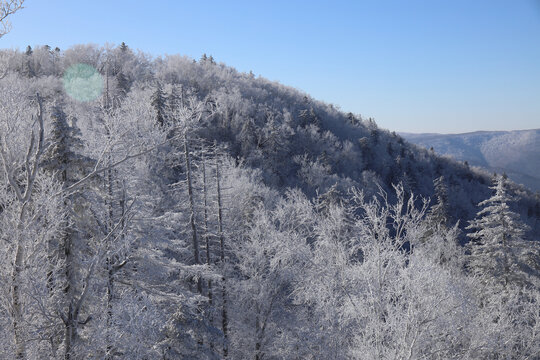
418	66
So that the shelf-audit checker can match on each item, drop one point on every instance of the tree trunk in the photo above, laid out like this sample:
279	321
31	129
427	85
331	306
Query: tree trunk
69	333
224	315
31	169
68	290
257	336
207	241
20	348
206	236
196	253
109	260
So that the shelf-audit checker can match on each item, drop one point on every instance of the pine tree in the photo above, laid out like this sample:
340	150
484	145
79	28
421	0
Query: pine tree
175	99
498	250
63	156
158	102
438	214
64	160
28	64
122	85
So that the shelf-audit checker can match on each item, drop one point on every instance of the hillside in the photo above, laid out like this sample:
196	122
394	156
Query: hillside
515	152
176	208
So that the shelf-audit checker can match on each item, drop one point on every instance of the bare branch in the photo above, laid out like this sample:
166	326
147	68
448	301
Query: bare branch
31	169
97	171
8	8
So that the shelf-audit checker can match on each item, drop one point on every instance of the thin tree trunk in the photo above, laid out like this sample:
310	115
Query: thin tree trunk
224	315
68	333
207	240
196	253
206	236
31	169
20	348
67	247
68	290
258	336
109	260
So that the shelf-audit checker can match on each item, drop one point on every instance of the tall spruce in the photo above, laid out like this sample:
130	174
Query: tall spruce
498	249
158	103
438	214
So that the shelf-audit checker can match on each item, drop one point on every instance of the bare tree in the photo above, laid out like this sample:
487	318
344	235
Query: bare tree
8	8
24	196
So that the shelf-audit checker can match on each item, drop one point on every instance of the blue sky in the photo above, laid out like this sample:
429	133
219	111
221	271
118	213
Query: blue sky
417	66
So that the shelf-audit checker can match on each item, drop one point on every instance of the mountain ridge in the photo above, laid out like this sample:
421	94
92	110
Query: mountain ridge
292	139
515	152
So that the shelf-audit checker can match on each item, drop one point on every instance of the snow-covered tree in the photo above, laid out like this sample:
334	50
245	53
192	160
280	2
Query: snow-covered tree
499	253
158	102
438	213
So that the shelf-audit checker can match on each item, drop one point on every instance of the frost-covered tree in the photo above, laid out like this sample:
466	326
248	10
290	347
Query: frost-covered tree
438	214
158	102
64	160
372	296
499	253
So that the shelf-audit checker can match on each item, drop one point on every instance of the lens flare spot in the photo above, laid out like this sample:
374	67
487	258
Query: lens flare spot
82	82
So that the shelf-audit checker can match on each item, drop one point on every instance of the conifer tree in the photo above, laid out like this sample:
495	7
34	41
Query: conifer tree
122	85
28	66
498	250
63	155
438	214
158	102
64	160
175	98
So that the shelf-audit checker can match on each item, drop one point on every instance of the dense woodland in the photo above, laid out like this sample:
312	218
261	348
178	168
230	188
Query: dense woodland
194	212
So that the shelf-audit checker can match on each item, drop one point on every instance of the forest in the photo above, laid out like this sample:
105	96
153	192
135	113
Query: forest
175	208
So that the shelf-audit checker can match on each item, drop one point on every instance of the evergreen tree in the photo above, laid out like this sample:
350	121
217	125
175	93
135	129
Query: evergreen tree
122	85
498	251
175	99
28	65
64	160
63	156
438	214
158	102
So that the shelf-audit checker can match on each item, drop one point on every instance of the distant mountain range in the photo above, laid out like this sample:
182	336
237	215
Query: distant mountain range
515	152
